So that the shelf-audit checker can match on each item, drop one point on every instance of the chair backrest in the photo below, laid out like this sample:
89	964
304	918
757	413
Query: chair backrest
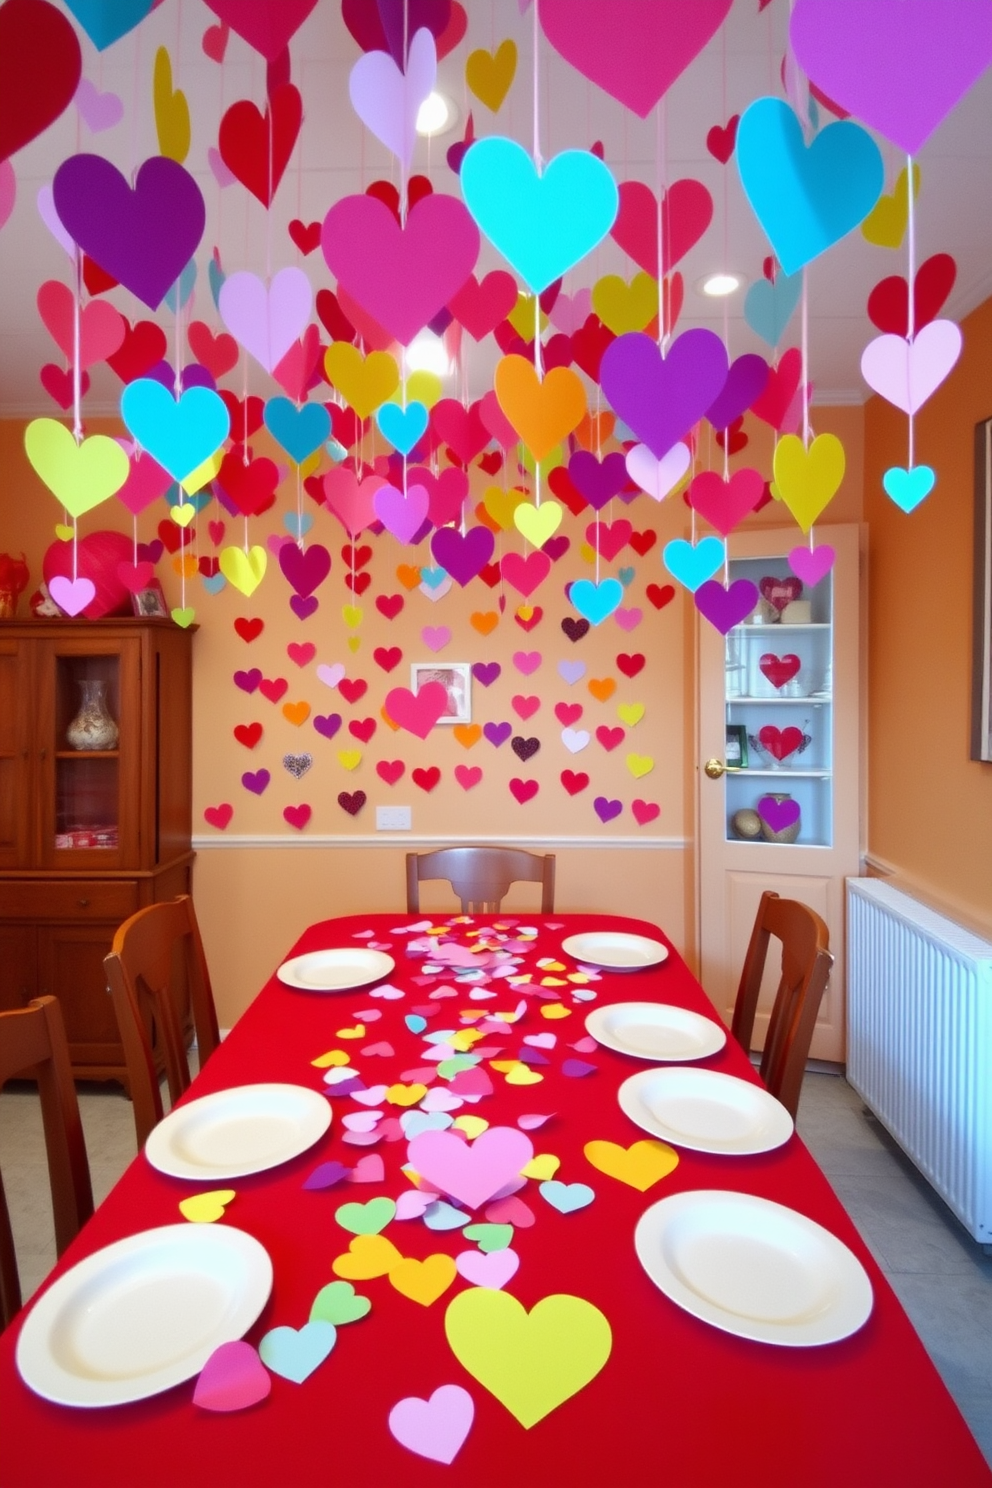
155	969
806	963
33	1042
480	876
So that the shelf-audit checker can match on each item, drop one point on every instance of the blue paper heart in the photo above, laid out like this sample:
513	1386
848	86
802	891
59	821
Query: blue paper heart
297	524
296	1354
184	285
596	601
433	577
300	431
626	576
908	487
768	307
444	1216
416	1022
402	426
806	199
336	451
180	436
543	225
692	566
415	1122
566	1197
104	24
216	276
213	583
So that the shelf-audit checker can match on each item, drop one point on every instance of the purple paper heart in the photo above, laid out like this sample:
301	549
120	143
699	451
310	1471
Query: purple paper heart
150	552
144	237
577	1069
660	399
256	781
745	382
486	672
606	810
497	733
598	481
406	17
192	375
99	111
248	681
325	1175
463	556
726	608
401	515
327	724
812	566
777	815
304	571
303	606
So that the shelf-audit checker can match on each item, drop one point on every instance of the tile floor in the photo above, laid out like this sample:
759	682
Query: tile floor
942	1277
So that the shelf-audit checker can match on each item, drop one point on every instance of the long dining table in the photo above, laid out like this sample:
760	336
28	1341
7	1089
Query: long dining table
557	1358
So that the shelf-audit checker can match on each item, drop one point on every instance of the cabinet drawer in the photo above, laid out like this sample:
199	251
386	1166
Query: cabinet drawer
63	900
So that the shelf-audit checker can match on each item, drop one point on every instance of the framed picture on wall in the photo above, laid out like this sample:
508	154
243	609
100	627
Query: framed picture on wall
456	678
981	685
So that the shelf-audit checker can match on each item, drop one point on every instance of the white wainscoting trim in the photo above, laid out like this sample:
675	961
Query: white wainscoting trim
411	840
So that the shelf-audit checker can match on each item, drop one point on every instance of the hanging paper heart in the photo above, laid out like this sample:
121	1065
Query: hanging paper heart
661	398
365	382
244	570
657	477
805	198
888	303
388	99
746	379
886	223
106	21
180	436
596	601
403	427
774	404
463	556
625	307
480	307
401	276
907	372
304	570
541	412
80	476
812	565
402	514
40	67
266	320
351	500
542	224
768	307
256	147
632	49
725	608
900	68
101	327
300	431
525	574
266	25
725	503
692	565
686	213
145	237
907	488
807	480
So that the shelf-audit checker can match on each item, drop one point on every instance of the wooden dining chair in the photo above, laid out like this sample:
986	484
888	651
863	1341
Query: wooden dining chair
155	969
480	876
806	963
33	1043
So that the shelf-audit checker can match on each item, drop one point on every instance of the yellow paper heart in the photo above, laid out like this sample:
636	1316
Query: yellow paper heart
625	307
405	1095
521	317
630	713
639	764
543	1165
885	225
421	387
352	616
472	1126
554	1011
184	514
602	688
80	476
204	1208
351	1033
547	963
808	479
171	111
463	1040
587	552
350	758
62	532
199	477
551	981
353	642
310	464
183	617
579	977
641	1165
524	1075
489	75
501	504
505	1065
364	382
296	713
367	1256
532	1362
538	523
484	621
185	565
331	1059
244	570
541	413
424	1281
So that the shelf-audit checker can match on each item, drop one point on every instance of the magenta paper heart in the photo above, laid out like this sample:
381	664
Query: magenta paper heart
304	571
525	574
777	815
352	501
746	379
898	68
417	712
463	556
470	1173
657	477
812	566
492	1270
144	237
402	515
232	1379
632	49
446	492
725	608
266	320
661	399
725	503
570	312
401	276
266	25
387	100
8	190
434	1428
597	480
435	637
146	481
628	619
906	373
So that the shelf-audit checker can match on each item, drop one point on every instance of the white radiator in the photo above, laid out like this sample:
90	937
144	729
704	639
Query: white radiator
919	1050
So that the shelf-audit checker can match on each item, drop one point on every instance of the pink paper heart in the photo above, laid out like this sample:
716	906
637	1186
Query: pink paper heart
352	501
435	637
434	1428
491	1270
401	515
232	1379
371	1097
71	595
222	173
541	1040
906	373
473	1173
382	1049
628	619
52	220
532	1122
510	1211
387	100
658	477
368	1169
362	1138
361	1121
809	566
266	319
440	1099
412	1203
570	312
8	190
99	111
146	482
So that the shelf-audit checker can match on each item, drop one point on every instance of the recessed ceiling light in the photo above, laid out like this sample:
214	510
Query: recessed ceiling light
437	115
718	285
428	353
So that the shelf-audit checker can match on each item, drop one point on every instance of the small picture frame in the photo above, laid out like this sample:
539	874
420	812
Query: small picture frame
456	678
149	602
736	750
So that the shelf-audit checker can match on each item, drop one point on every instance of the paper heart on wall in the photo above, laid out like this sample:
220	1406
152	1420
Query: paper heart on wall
661	398
417	712
256	147
179	435
42	64
80	476
542	224
387	98
805	198
907	372
144	237
401	276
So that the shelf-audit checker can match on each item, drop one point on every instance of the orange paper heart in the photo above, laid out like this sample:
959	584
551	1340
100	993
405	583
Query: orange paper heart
423	1281
367	1256
542	413
641	1165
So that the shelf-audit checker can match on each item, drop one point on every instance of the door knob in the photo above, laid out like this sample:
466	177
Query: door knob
714	768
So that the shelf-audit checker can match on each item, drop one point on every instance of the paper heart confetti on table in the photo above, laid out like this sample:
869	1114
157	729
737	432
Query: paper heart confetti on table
296	1353
205	1208
436	1428
471	1174
338	1303
641	1165
232	1379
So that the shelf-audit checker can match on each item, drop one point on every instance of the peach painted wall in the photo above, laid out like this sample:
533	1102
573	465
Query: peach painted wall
930	806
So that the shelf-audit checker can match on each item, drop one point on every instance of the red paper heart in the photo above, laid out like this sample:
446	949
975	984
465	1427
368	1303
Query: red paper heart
173	537
135	576
643	542
780	592
660	594
733	439
332	317
528	623
362	728
352	801
686	213
721	139
42	65
306	235
256	147
273	688
389	605
609	538
773	403
564	488
216	530
295	372
523	790
726	503
574	781
249	630
251	487
888	303
58	384
217	353
208	567
390	770
352	688
218	816
266	25
480	307
427	779
387	657
214	42
248	734
468	775
645	811
144	345
589	343
358	582
610	738
297	816
568	713
780	742
630	665
245	414
779	669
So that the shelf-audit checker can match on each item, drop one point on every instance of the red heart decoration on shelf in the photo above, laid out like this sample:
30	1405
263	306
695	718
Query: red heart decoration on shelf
779	669
42	68
888	303
780	743
352	801
780	592
686	213
249	630
256	147
427	779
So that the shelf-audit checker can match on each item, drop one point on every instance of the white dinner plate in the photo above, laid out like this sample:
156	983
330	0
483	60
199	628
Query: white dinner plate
705	1111
234	1132
753	1268
615	951
143	1315
335	970
655	1030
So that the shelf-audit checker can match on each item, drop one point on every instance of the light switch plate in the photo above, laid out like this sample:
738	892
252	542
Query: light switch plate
392	818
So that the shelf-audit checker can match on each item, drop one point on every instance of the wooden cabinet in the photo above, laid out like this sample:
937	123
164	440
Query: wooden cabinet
88	834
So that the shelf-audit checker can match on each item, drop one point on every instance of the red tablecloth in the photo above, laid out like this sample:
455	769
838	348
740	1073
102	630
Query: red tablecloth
678	1403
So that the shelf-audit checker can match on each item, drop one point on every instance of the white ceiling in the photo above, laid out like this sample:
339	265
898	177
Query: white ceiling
336	156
